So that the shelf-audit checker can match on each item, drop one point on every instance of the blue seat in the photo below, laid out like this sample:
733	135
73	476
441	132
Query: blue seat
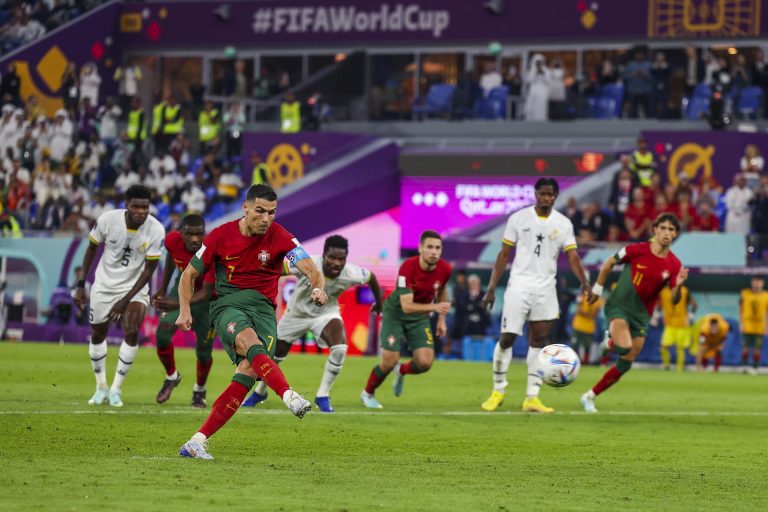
609	102
437	101
494	106
698	107
702	91
750	101
216	210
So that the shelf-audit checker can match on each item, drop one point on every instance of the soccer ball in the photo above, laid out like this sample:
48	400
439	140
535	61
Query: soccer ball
557	365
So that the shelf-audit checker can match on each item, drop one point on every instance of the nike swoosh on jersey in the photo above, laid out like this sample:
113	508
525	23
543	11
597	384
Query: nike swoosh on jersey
227	258
642	266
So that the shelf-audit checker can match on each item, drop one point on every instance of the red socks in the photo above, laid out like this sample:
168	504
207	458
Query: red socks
410	368
166	357
610	378
718	360
203	369
224	408
270	373
375	379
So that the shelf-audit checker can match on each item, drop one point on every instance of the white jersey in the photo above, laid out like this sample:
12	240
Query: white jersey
300	304
125	250
538	242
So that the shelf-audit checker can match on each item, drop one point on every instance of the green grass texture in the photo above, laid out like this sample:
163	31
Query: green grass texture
662	441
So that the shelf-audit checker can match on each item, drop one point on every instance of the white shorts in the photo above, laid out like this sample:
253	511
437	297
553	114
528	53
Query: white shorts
521	306
102	300
291	328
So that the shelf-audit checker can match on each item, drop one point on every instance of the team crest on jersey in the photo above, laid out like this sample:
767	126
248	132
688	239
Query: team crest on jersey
391	340
143	247
665	274
231	327
553	234
436	286
263	257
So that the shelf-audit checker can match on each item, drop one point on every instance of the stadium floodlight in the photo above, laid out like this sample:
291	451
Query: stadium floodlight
494	6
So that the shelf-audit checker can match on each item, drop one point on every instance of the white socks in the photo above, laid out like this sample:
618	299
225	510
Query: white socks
501	359
534	381
333	365
126	355
98	355
261	386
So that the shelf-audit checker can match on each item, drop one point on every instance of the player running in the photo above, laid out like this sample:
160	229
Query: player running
180	247
753	304
132	242
712	335
539	233
324	321
648	267
420	291
247	256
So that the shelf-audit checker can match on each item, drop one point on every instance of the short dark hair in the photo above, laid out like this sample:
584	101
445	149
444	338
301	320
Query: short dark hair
429	234
193	219
713	320
543	182
667	217
261	191
336	241
138	192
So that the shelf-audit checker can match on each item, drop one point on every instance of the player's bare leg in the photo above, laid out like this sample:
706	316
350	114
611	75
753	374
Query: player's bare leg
422	361
538	338
131	321
389	359
335	337
260	392
502	357
97	351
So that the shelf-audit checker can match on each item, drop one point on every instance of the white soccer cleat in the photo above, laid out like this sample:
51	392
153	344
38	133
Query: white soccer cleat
99	397
588	403
751	370
195	450
115	400
370	401
398	381
604	343
298	405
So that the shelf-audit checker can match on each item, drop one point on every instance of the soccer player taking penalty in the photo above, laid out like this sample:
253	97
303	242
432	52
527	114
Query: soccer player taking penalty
538	233
132	242
324	321
247	256
648	268
420	291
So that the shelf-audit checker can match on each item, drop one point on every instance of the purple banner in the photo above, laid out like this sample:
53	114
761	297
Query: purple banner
269	23
89	39
705	153
290	156
449	205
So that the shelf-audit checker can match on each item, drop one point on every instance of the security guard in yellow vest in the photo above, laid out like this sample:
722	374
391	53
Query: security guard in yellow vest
260	170
642	163
173	120
9	226
137	123
157	121
290	114
209	127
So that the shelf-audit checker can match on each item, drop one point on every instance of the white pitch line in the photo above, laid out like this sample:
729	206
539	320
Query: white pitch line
396	413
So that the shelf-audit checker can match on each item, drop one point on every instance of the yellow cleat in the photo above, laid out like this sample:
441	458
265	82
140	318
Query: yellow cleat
535	405
493	402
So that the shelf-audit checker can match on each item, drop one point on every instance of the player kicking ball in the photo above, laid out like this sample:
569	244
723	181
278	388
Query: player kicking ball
180	247
420	291
324	321
648	268
132	242
247	256
538	233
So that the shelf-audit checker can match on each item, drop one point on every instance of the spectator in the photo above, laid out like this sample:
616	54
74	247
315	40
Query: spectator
515	85
54	213
10	85
90	82
740	74
34	109
193	197
128	79
167	185
27	147
265	85
694	70
162	161
684	210
752	164
707	190
234	123
459	299
75	225
637	219
490	79
591	224
108	115
61	135
124	181
7	126
476	318
86	119
290	114
229	186
557	90
624	184
537	83
464	96
209	127
29	29
660	71
705	219
608	74
737	200
179	150
643	163
260	172
70	87
640	84
759	205
197	93
93	209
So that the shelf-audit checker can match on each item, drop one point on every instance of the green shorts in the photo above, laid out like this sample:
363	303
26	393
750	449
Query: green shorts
414	331
634	314
201	323
242	310
752	340
583	339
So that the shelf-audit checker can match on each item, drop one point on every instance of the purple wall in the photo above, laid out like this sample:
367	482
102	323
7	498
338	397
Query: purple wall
715	153
425	21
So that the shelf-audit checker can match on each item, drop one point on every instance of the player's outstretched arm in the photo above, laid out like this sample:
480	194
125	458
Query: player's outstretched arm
186	290
502	259
574	260
316	280
373	283
168	268
602	277
90	255
119	307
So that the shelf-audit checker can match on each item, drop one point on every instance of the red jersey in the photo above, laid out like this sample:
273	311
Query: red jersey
426	285
706	223
245	262
174	244
647	273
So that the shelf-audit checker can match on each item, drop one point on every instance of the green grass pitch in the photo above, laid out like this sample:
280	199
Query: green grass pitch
661	441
